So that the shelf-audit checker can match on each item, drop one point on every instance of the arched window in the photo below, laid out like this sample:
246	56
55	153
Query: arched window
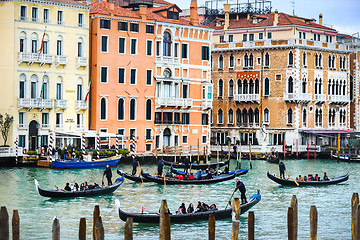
340	63
266	115
333	86
22	86
251	86
304	116
231	61
167	44
290	85
329	61
220	116
22	42
316	86
267	60
303	85
221	62
289	116
231	116
148	109
320	86
231	88
239	86
267	87
245	88
44	94
121	109
316	60
59	45
33	86
45	44
344	62
251	60
291	58
304	59
337	88
34	42
103	108
320	60
133	109
344	88
238	117
59	88
80	47
221	88
245	117
166	137
257	116
257	86
251	116
333	61
246	60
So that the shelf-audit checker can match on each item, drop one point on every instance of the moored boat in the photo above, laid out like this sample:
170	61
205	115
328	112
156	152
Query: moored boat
134	178
197	166
77	163
188	217
272	159
291	182
237	172
346	158
86	193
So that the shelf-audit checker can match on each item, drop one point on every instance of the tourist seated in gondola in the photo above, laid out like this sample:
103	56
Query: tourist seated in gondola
190	208
198	174
213	207
317	178
168	174
67	187
300	178
305	178
226	170
181	209
204	207
180	177
325	178
191	176
311	178
208	175
198	207
75	187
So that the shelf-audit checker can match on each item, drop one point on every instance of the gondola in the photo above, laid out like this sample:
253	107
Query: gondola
237	172
272	159
197	166
134	178
346	158
189	217
77	163
174	181
86	193
290	182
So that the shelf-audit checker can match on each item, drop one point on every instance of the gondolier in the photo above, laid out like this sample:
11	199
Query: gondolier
282	169
160	164
186	163
108	174
135	164
241	187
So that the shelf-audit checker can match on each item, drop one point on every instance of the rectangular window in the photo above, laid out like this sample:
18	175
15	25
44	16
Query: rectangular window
23	10
261	36
121	78
134	27
59	120
104	72
221	38
22	119
148	147
133	46
278	77
204	139
158	47
22	89
184	51
133	76
104	43
45	47
45	119
148	77
46	16
21	140
205	119
103	130
158	117
185	118
58	91
59	47
104	23
176	50
22	45
251	37
185	139
79	120
244	37
149	47
123	26
79	95
33	88
231	38
148	133
132	133
269	35
205	53
81	20
185	91
122	45
177	118
34	14
60	17
150	29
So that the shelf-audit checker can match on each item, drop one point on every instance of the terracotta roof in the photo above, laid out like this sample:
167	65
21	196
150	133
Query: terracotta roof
284	19
103	8
69	2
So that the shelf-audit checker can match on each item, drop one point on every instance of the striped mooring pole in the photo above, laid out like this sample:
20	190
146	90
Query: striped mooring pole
51	142
16	150
97	145
83	143
117	145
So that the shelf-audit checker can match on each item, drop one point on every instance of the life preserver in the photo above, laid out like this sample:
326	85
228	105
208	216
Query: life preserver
24	151
42	150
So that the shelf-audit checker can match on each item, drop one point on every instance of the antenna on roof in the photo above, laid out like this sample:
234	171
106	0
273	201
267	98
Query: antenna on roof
293	6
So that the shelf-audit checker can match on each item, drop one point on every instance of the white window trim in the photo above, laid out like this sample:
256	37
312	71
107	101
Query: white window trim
62	16
135	110
148	142
136	72
83	20
107	43
49	17
106	108
229	117
280	77
117	110
107	74
218	118
136	47
152	75
268	122
151	133
160	48
152	47
26	12
187	138
38	14
187	50
122	139
124	46
138	27
229	88
124	75
151	110
135	134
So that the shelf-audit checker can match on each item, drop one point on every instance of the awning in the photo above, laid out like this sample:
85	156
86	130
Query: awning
329	131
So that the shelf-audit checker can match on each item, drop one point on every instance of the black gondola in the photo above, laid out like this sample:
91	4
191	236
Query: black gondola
272	159
188	217
290	182
86	193
174	181
132	177
197	166
237	172
346	158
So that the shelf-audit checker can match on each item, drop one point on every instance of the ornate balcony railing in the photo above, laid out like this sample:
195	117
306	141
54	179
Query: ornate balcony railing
339	99
247	97
61	60
31	58
31	103
82	62
297	97
81	105
61	104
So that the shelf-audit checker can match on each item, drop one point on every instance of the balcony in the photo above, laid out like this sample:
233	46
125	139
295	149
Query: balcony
61	60
61	104
82	62
167	60
31	103
247	98
31	58
297	97
169	102
206	104
45	126
320	98
187	102
339	99
81	105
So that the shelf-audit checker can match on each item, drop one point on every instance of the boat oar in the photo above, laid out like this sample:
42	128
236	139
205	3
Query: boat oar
164	180
230	198
297	184
102	181
140	174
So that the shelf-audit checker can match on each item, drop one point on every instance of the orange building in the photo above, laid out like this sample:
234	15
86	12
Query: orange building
150	73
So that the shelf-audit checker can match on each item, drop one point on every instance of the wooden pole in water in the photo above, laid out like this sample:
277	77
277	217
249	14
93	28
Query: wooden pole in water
129	229
313	223
354	204
4	223
190	153
315	152
176	149
198	147
99	229
294	205
56	229
357	222
204	155
96	215
251	226
16	225
164	233
307	149
211	227
217	153
236	222
82	229
291	228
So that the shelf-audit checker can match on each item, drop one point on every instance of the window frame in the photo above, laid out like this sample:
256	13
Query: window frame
106	45
124	45
151	47
104	26
101	74
125	23
151	77
124	78
136	46
147	27
136	30
124	109
135	77
135	115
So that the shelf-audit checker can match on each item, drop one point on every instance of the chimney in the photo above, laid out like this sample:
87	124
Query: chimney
227	15
320	19
248	16
276	17
142	12
111	7
194	17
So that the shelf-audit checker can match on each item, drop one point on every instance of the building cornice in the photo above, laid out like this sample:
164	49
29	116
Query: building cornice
52	3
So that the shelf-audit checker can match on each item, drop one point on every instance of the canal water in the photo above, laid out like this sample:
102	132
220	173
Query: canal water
17	191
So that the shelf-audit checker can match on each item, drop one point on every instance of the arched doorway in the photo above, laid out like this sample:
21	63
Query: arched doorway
33	134
166	137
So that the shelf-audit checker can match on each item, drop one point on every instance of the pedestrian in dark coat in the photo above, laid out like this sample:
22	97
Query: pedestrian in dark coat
186	163
282	169
160	164
241	187
108	174
135	164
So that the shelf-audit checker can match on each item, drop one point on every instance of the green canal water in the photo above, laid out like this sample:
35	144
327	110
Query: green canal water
17	191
